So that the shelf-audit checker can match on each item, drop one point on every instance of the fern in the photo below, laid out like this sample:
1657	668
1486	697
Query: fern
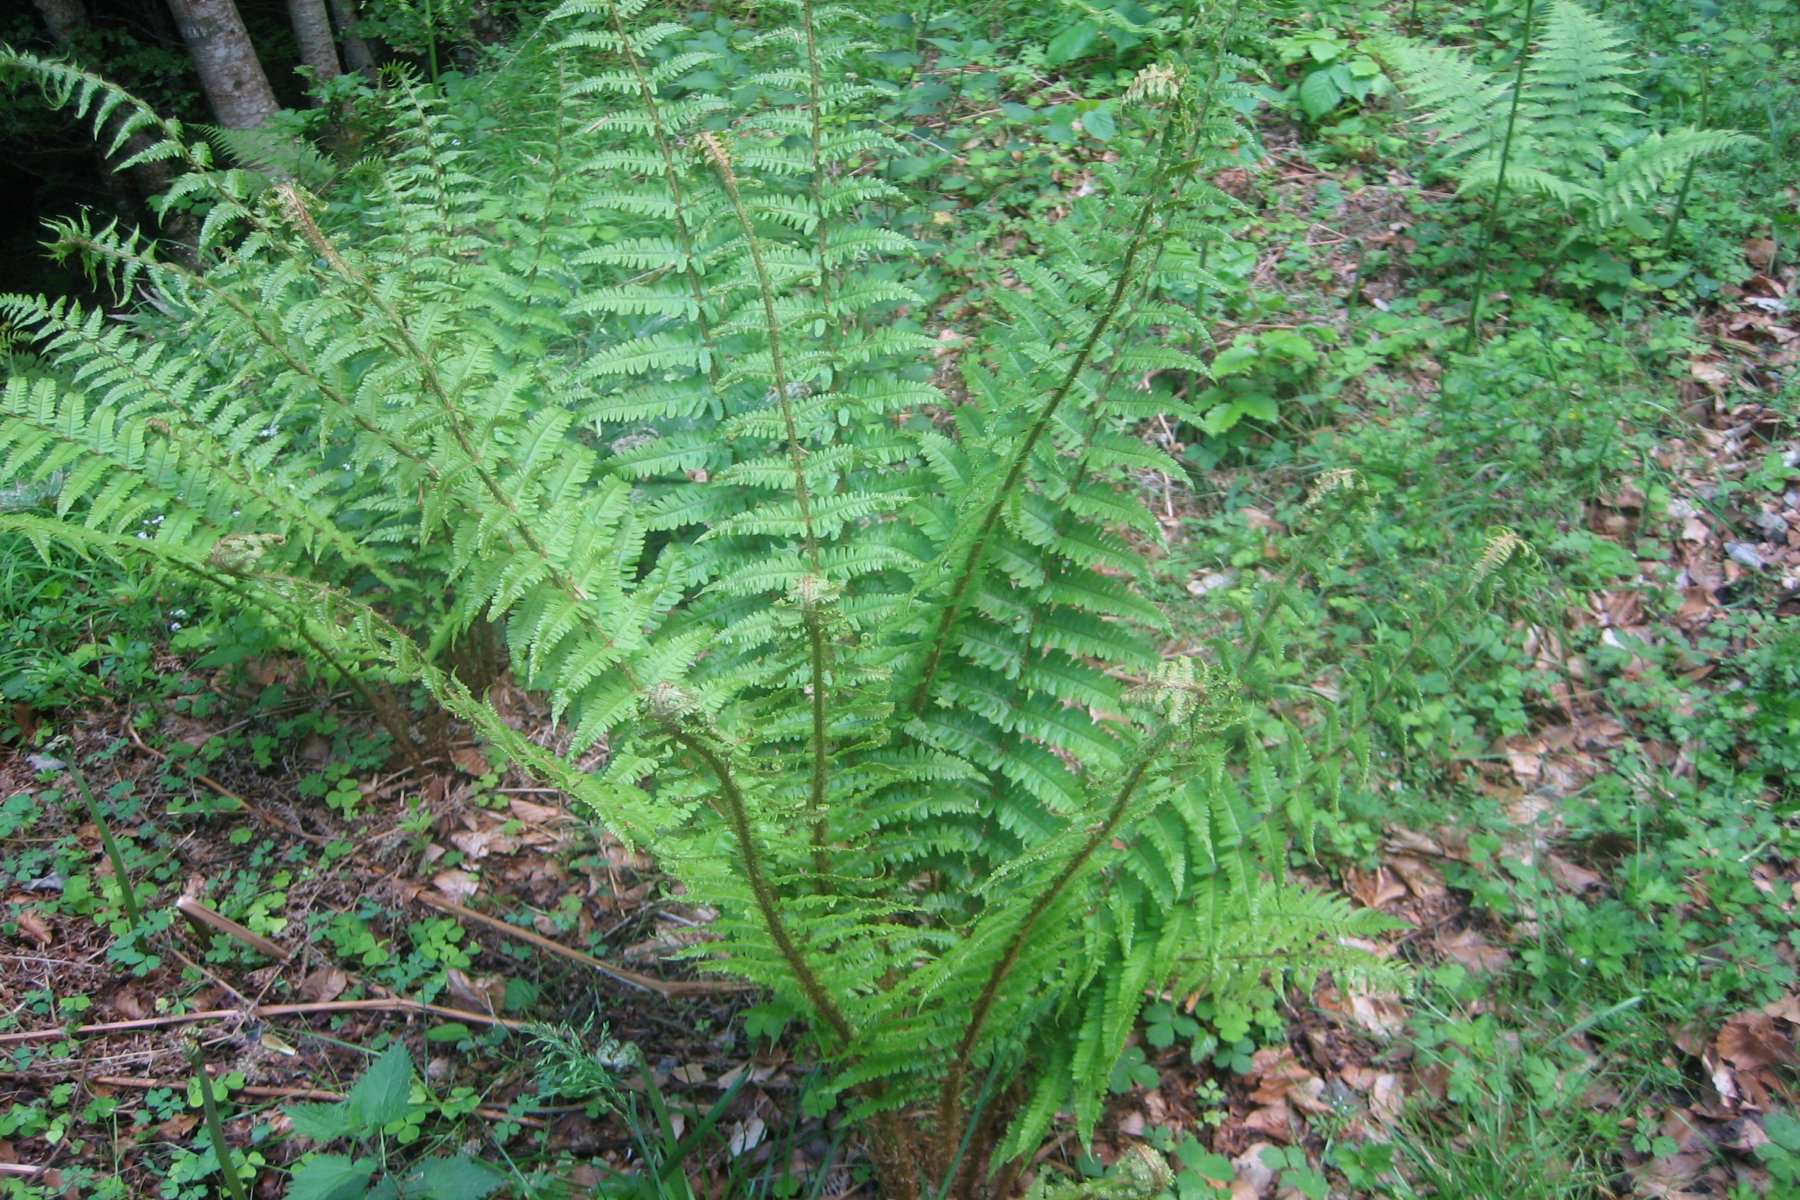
872	673
1578	138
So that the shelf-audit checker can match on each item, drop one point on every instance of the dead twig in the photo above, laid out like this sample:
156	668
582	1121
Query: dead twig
260	1012
201	915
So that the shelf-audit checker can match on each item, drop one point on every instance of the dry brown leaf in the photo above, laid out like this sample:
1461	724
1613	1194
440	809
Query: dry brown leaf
1527	763
1753	1041
1251	1171
1473	951
1271	1120
179	1126
1420	877
469	760
1387	1098
1676	1177
483	993
1282	1077
1380	1014
458	885
537	814
1574	877
1373	889
33	927
326	983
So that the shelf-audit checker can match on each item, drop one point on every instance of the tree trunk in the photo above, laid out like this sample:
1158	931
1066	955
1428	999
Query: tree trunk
230	74
357	55
312	29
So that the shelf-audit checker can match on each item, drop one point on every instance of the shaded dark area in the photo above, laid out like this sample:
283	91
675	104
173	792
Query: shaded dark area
49	165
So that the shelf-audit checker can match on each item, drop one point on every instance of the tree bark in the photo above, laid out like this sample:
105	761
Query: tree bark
357	55
230	73
312	29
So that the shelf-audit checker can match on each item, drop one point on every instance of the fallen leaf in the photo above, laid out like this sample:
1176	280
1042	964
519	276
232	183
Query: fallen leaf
33	927
1251	1171
1272	1120
1380	1014
1570	875
1282	1077
326	983
458	885
1473	951
469	760
746	1135
483	993
1387	1098
1420	877
537	814
1373	889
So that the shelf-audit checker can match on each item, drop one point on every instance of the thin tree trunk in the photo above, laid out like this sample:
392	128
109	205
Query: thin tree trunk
357	55
312	29
230	73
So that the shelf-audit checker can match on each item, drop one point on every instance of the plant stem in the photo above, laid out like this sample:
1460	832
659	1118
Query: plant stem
949	1114
959	592
1493	208
126	897
215	1128
737	814
1687	176
821	749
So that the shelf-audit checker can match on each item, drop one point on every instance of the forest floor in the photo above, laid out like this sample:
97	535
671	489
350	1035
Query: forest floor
1589	856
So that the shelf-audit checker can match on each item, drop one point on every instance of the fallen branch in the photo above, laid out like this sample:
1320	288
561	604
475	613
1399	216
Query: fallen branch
200	914
259	1012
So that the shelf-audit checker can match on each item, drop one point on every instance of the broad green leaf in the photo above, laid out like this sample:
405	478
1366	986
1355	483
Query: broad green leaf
331	1177
1235	359
1071	43
459	1178
381	1095
323	1122
1319	94
1100	124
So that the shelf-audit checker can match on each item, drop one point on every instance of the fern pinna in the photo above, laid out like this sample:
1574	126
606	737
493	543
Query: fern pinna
870	670
1576	135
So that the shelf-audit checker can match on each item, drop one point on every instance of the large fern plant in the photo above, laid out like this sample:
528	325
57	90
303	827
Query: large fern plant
870	668
1575	137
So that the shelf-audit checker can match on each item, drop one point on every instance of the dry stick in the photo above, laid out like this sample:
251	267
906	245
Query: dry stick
260	1091
201	915
264	1011
417	892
